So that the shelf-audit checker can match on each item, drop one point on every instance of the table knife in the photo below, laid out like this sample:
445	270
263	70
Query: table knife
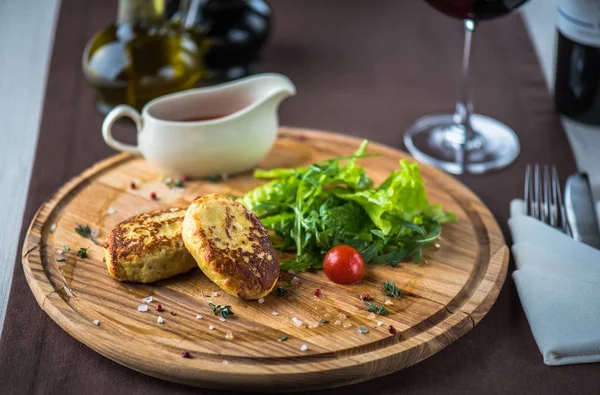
581	210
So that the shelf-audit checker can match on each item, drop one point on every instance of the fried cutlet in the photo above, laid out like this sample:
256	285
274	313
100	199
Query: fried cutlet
231	246
148	247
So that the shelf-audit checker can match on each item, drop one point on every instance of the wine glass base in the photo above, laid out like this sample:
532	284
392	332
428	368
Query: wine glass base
439	141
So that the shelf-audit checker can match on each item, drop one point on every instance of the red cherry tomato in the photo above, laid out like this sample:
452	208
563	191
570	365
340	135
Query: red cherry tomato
344	265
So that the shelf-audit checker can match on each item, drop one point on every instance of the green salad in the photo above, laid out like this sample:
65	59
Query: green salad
312	209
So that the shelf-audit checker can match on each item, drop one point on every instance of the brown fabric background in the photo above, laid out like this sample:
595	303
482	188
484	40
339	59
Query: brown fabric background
366	68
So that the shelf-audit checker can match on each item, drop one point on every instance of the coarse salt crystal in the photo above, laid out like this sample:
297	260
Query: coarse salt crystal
224	176
68	291
59	251
53	227
137	180
148	299
379	323
291	271
313	325
198	317
177	191
228	335
160	320
143	307
342	315
295	280
297	321
326	315
337	322
304	347
96	322
222	319
261	300
211	327
371	315
387	302
215	294
94	233
225	362
347	325
168	180
274	313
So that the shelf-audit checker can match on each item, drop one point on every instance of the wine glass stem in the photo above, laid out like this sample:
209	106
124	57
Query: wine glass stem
464	105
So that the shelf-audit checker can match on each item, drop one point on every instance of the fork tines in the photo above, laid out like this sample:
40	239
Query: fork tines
543	196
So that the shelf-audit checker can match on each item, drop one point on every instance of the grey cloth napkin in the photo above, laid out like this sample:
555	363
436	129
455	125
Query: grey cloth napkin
558	281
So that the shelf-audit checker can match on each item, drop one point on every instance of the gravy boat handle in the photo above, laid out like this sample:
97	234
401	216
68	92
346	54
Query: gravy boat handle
114	114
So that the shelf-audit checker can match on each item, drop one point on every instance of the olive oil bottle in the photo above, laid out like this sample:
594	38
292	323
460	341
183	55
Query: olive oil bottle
141	56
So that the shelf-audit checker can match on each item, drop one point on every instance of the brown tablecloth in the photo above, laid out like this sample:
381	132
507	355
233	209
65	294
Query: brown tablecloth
362	67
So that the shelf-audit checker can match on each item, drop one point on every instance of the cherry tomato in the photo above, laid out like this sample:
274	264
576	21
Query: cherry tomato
344	265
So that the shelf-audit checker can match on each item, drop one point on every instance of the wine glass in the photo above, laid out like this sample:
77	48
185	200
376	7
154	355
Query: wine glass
464	141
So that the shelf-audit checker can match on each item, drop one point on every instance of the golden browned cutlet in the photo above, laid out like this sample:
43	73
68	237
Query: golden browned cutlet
231	246
148	247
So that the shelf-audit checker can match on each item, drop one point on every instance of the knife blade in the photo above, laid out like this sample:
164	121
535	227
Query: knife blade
581	210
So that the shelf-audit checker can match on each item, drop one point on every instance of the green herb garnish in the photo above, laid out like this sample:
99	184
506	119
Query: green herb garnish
61	259
83	231
214	179
283	338
82	253
104	259
221	310
86	232
391	290
178	183
282	291
311	209
67	248
379	310
324	321
173	183
363	330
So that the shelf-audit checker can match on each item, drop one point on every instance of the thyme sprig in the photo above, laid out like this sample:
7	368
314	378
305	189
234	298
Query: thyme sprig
86	231
379	310
391	290
282	291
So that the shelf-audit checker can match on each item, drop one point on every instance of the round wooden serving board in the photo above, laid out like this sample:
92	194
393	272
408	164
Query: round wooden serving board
445	295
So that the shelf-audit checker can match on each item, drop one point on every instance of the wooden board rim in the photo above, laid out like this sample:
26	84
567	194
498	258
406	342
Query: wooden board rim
459	319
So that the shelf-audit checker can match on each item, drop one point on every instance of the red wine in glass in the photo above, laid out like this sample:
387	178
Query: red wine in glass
477	10
462	141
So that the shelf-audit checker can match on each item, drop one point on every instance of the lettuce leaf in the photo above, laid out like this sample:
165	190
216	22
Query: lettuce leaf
401	195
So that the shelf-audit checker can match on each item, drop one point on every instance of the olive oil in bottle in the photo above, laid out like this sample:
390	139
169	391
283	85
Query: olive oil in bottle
141	56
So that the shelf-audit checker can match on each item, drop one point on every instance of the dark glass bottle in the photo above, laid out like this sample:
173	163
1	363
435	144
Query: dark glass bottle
577	83
236	31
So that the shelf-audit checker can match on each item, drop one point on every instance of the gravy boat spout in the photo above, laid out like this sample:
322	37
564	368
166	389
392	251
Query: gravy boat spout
267	90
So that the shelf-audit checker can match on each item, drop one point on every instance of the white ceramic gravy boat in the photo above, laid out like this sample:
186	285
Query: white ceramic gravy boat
241	135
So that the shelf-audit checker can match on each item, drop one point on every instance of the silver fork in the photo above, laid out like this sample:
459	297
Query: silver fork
543	198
